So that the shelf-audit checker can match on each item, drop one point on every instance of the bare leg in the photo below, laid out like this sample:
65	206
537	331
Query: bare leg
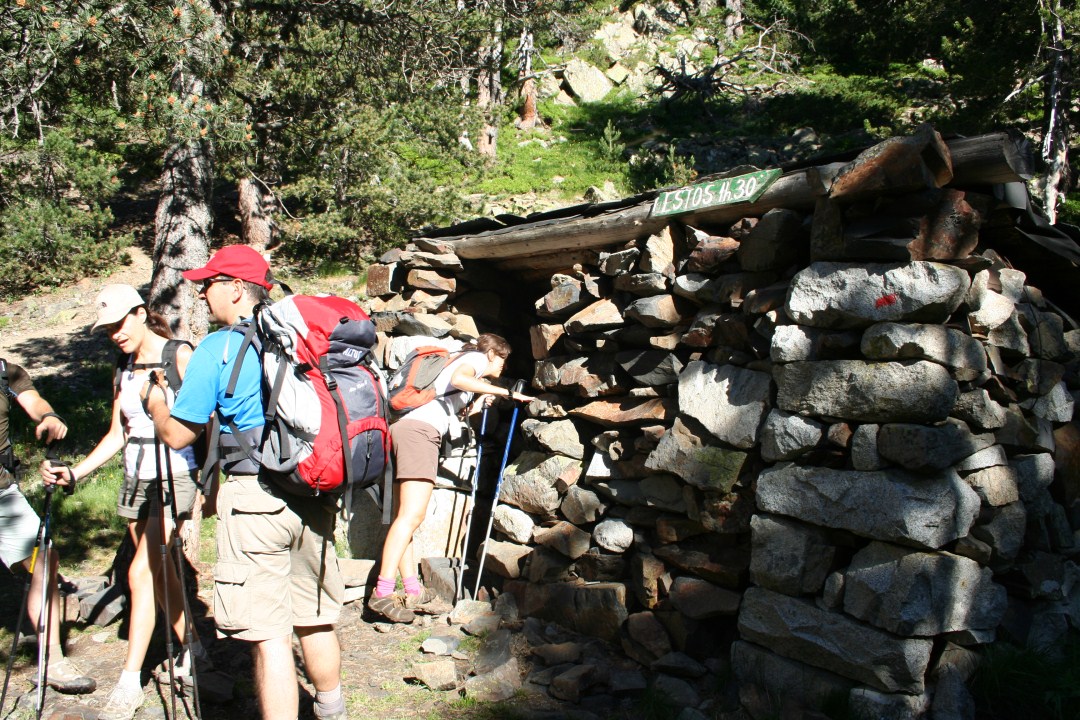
142	614
275	678
172	577
413	497
33	601
322	656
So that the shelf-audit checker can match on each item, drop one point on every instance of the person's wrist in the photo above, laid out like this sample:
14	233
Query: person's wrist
53	415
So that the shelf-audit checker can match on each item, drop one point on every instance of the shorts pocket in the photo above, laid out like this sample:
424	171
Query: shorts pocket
232	603
260	523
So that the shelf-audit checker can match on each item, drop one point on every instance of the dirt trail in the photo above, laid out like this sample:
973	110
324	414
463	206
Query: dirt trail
49	333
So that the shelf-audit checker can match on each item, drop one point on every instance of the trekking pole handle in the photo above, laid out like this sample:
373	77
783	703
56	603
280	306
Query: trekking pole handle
52	454
519	387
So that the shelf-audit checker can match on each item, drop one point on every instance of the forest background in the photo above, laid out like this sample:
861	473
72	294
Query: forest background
335	130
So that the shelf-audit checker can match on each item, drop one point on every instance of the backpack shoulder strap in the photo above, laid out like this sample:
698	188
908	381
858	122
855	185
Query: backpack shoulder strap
168	362
5	388
247	328
123	360
452	358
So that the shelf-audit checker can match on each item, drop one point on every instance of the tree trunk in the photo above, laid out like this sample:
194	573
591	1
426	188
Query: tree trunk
1055	148
529	117
489	91
257	226
182	227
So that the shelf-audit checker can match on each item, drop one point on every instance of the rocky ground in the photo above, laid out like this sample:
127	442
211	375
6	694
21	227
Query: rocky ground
389	671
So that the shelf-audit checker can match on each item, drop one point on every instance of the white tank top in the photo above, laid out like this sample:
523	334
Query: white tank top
139	427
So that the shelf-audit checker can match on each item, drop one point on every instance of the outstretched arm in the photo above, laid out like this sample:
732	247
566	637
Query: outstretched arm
464	378
109	445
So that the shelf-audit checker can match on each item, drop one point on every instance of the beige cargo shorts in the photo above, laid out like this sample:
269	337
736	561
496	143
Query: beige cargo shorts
276	568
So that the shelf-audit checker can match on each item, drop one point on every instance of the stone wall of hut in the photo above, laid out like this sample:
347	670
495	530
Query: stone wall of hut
832	448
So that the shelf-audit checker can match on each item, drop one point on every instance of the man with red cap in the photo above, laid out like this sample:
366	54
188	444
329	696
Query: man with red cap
267	540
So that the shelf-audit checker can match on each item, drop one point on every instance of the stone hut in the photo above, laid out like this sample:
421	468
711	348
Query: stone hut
822	431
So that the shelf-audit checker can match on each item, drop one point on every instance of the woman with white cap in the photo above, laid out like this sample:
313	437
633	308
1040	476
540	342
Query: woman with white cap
144	339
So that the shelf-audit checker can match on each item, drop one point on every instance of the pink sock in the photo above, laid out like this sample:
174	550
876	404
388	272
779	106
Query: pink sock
412	585
384	586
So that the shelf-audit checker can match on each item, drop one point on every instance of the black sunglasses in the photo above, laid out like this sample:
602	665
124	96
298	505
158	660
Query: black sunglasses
210	281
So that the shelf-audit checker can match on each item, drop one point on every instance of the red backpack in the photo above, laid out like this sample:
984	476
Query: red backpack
324	395
413	384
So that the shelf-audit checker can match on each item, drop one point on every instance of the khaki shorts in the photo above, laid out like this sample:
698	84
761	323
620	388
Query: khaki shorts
416	450
277	568
138	496
19	525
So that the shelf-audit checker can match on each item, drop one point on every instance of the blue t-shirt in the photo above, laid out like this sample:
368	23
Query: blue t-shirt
207	377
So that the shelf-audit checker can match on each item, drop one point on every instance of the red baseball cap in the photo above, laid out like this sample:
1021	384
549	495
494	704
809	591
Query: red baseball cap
239	261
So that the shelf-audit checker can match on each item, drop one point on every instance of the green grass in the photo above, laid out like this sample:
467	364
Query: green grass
542	166
330	276
1070	209
207	541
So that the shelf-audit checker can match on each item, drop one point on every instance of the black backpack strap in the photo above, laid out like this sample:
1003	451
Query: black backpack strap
168	362
4	387
123	360
249	340
209	473
246	447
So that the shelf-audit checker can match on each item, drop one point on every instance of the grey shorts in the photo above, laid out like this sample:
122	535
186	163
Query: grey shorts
416	450
277	568
138	496
19	525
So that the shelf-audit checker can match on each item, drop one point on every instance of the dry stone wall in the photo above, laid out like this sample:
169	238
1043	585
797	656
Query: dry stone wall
831	448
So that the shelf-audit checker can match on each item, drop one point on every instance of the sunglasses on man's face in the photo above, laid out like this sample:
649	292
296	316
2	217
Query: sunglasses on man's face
210	281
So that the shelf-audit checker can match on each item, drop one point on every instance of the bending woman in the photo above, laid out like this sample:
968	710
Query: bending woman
142	336
417	438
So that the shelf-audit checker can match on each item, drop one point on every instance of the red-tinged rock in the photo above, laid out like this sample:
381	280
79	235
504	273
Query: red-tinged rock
626	411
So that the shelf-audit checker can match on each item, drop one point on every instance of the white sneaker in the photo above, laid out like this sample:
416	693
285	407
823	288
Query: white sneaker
122	704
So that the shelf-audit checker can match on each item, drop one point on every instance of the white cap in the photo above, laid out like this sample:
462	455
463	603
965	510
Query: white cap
114	302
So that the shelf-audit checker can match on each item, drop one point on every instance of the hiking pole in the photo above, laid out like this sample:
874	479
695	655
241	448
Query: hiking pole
44	550
189	623
472	504
152	379
518	387
38	540
165	573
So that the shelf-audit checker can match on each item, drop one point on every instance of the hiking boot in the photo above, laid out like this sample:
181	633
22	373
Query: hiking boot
426	595
392	607
340	715
427	602
64	677
122	704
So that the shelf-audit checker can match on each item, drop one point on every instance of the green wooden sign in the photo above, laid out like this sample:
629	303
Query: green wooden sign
726	191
